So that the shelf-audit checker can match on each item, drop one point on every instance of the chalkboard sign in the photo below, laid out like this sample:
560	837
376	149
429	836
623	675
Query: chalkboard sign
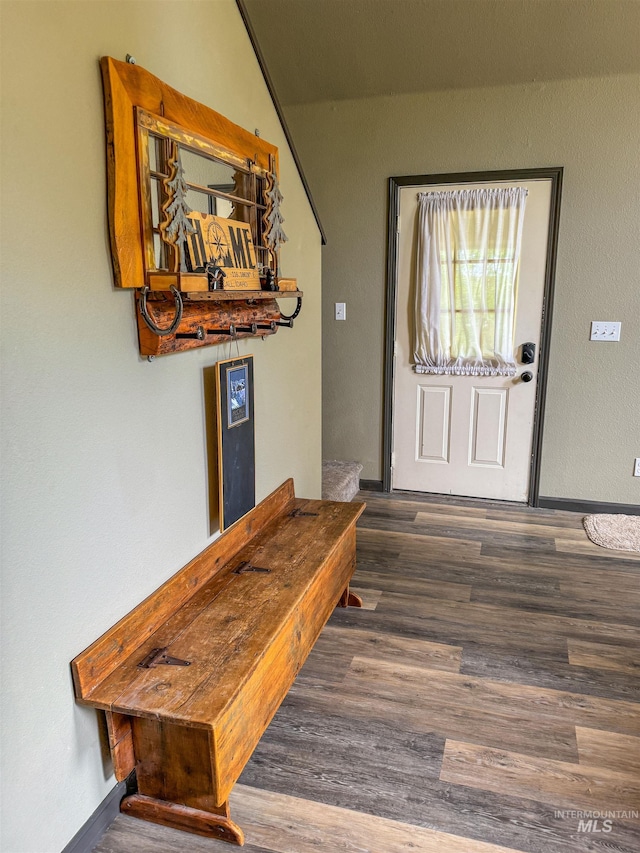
236	439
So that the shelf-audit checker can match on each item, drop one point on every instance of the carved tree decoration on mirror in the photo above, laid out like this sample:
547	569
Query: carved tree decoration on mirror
195	217
273	219
177	226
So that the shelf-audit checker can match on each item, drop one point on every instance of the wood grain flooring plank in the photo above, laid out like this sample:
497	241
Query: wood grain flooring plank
568	600
470	571
509	654
459	533
482	524
391	760
401	512
546	668
436	544
371	563
560	784
586	581
336	647
578	584
588	548
486	527
390	504
608	585
513	555
320	666
500	619
597	589
536	707
609	750
291	825
565	567
370	544
410	585
388	647
537	515
451	628
375	548
423	710
604	656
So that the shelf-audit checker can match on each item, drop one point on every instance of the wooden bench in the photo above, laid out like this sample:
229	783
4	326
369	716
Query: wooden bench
191	678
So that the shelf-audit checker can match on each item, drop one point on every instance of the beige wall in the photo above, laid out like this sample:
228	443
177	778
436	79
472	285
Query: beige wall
105	483
591	127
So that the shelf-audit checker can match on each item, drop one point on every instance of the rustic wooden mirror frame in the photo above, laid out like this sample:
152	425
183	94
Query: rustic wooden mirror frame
208	317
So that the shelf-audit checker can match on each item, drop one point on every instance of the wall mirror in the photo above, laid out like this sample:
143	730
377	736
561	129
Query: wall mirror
194	217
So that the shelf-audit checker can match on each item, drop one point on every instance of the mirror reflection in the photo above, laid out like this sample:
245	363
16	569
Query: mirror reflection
211	183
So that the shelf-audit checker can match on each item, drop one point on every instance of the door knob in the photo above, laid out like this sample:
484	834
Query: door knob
527	376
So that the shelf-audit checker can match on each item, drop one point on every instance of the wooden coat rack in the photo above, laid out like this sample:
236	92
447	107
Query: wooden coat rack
201	277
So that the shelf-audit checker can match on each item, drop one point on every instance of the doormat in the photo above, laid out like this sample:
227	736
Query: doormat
620	532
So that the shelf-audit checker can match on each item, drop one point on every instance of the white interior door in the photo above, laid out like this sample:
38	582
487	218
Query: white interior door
468	435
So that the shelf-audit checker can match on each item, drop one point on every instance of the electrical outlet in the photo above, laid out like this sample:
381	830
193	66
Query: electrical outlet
341	310
604	330
636	467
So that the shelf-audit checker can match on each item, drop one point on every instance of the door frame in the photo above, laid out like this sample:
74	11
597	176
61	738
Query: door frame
553	174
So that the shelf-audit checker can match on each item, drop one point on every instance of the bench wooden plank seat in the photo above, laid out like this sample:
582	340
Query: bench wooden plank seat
191	678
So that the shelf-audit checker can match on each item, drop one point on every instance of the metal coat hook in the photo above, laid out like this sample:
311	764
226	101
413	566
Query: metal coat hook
198	335
147	319
295	313
231	331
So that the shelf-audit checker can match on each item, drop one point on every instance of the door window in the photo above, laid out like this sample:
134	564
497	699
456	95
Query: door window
466	280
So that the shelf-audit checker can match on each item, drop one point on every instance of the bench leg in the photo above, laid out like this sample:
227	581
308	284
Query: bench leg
184	817
176	782
349	599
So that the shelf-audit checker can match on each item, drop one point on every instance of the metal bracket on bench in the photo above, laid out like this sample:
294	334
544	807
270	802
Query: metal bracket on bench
159	656
297	513
245	567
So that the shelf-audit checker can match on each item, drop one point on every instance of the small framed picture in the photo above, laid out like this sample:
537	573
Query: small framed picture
237	395
236	439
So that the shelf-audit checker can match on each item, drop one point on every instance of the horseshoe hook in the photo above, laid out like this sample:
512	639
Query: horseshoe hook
295	313
147	319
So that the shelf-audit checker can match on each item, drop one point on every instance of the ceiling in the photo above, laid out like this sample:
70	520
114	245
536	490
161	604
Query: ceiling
319	50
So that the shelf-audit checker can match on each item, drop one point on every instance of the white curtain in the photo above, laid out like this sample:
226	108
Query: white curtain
466	280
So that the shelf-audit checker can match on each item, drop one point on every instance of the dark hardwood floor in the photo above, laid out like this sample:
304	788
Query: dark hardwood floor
485	697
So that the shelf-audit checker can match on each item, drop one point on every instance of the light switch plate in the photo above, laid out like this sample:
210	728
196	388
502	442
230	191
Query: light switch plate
605	330
341	310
